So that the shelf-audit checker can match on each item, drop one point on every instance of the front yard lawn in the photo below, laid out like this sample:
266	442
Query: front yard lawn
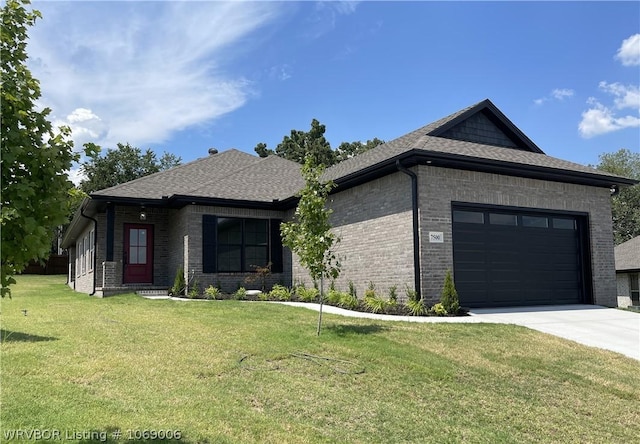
240	372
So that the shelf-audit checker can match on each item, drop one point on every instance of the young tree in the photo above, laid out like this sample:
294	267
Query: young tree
35	160
121	165
625	206
309	235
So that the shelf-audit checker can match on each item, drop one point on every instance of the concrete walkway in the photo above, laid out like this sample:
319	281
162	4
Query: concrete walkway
592	325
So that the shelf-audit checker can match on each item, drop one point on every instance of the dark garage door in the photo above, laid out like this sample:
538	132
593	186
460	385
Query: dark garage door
515	258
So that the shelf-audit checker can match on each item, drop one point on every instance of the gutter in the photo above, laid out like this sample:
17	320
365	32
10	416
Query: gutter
416	225
95	250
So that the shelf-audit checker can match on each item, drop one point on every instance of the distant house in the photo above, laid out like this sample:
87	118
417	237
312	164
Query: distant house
627	256
469	193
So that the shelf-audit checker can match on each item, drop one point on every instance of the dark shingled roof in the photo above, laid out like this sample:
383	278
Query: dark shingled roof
231	174
423	141
457	141
627	255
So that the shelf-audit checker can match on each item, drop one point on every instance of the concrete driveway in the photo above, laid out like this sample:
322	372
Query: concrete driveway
593	325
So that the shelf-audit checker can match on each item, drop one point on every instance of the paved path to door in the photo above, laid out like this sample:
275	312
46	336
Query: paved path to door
592	325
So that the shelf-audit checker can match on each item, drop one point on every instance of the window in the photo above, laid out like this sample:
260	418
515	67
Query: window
564	224
535	222
85	265
240	244
79	251
503	219
91	250
468	217
633	286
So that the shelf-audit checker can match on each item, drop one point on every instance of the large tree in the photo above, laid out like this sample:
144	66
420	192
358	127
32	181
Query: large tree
309	235
625	205
121	165
35	158
347	150
301	144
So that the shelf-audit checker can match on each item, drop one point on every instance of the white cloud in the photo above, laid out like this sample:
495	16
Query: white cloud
138	71
629	51
626	96
557	94
599	119
562	94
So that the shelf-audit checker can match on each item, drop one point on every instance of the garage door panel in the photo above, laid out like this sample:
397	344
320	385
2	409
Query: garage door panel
502	265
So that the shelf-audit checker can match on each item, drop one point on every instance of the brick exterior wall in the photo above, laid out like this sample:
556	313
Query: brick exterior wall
440	186
374	223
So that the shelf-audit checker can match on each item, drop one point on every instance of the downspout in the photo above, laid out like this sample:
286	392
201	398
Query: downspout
95	250
416	225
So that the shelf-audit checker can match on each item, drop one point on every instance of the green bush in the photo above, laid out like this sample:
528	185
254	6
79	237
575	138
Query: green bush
375	304
438	310
194	290
372	301
416	307
393	296
307	294
280	293
178	283
352	289
449	298
333	297
263	296
240	294
348	301
212	292
412	295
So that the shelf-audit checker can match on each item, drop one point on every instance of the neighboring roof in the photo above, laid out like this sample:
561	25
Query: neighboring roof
440	144
627	255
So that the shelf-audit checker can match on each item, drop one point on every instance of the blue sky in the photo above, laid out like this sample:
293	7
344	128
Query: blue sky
186	76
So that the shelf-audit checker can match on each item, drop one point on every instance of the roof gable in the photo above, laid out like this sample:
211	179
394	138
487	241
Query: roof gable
627	255
485	124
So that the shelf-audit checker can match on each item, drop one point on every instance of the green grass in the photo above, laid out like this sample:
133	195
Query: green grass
240	372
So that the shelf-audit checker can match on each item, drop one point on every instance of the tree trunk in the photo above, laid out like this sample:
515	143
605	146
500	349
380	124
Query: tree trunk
321	301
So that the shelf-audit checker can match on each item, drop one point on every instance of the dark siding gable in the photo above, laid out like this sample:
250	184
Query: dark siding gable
209	234
479	128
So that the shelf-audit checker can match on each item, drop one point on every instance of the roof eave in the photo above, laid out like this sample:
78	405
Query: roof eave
446	160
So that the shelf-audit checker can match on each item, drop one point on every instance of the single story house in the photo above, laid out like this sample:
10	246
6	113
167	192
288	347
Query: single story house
469	193
627	256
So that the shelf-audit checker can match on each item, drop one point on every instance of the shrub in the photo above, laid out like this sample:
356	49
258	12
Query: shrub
438	310
307	294
194	291
263	296
212	292
416	307
449	298
240	294
348	301
280	293
412	295
333	297
352	289
178	283
393	296
374	303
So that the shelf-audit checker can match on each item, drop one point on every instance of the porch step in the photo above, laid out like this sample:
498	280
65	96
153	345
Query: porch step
153	294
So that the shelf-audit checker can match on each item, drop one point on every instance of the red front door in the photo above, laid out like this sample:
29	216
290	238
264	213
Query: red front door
138	254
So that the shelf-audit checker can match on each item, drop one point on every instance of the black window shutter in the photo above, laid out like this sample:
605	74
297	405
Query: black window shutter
276	246
209	240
